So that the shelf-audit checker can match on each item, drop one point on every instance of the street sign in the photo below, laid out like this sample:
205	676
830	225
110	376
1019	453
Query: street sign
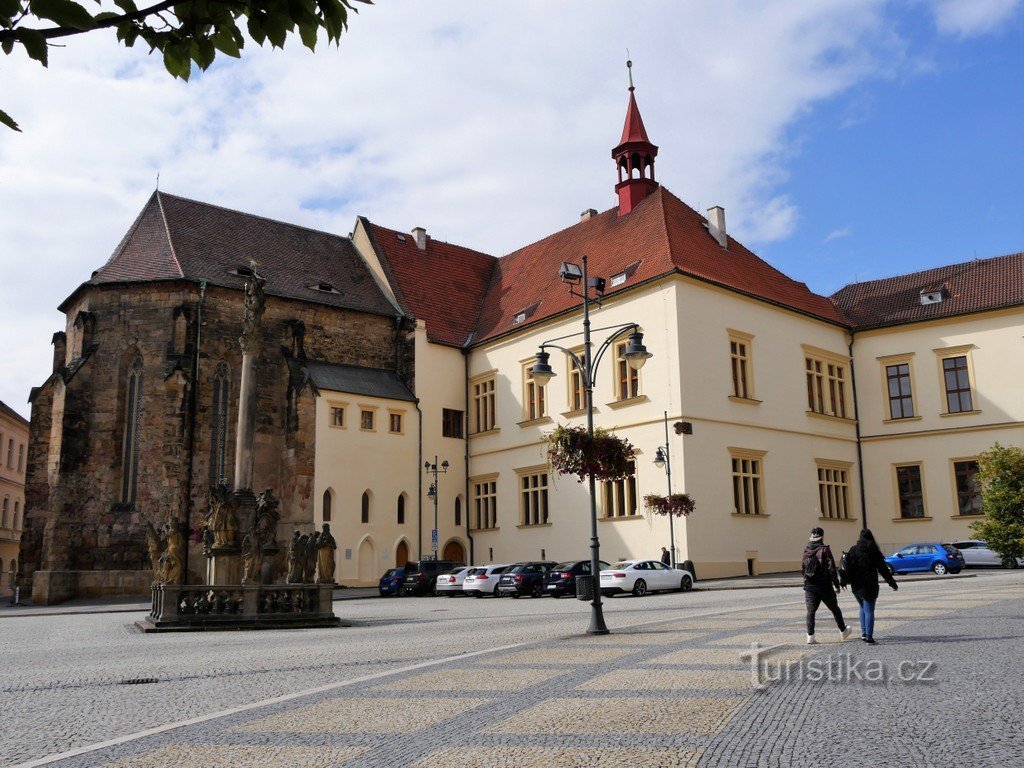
433	539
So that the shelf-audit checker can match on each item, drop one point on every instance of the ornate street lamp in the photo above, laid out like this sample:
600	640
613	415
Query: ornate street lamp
435	470
635	354
663	460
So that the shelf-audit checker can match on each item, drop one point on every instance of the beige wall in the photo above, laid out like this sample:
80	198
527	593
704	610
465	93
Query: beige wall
13	458
995	345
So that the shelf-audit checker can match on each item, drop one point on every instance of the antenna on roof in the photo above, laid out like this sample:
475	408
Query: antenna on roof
629	69
158	181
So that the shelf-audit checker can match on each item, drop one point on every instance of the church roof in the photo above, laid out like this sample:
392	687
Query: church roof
972	286
443	284
177	238
356	380
633	130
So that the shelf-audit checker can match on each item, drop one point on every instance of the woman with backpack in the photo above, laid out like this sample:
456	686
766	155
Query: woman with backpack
864	563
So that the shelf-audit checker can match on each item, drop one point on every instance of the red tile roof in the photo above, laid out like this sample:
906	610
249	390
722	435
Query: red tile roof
442	285
972	286
633	130
175	238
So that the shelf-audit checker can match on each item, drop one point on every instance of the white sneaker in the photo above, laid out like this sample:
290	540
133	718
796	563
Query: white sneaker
845	633
811	640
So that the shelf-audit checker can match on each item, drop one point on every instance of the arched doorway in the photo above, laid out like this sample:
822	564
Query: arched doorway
454	551
401	554
368	562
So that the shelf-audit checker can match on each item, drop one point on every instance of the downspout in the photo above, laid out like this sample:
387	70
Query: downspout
419	487
860	455
465	455
193	401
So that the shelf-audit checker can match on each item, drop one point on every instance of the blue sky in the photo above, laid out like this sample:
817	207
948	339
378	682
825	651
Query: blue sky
846	139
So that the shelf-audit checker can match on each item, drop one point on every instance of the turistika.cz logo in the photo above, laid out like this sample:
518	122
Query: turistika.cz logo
838	668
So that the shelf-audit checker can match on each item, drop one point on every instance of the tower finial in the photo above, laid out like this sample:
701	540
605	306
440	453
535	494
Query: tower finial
629	69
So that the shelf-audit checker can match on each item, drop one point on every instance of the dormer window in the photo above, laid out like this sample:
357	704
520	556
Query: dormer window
523	315
324	287
520	318
625	274
401	238
933	296
242	272
618	279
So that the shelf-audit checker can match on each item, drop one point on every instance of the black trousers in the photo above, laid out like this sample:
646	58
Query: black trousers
815	596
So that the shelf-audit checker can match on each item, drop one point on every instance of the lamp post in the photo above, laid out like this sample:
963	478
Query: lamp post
435	470
635	354
663	460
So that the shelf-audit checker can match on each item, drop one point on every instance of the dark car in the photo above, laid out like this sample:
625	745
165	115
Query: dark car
391	581
561	580
524	579
421	577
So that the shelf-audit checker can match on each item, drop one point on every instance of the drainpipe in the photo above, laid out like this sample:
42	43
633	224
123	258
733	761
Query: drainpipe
192	408
465	454
860	455
419	486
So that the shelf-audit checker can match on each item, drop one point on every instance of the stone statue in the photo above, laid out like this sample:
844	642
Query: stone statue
222	519
153	544
296	558
267	516
252	323
172	561
309	572
252	558
326	546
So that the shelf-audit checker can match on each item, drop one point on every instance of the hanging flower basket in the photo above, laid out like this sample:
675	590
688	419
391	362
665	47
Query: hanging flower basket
678	504
606	456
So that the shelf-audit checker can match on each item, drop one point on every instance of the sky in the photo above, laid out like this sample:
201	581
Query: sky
847	140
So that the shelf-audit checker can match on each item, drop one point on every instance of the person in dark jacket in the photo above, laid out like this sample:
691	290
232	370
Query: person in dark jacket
821	584
864	564
666	558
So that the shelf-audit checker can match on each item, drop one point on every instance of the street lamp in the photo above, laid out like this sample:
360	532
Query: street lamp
433	469
663	460
635	355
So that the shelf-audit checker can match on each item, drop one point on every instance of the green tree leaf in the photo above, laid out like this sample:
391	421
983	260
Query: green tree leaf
65	13
35	44
8	121
9	8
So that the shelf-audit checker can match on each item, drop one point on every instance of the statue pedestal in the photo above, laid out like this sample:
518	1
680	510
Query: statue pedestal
245	510
223	566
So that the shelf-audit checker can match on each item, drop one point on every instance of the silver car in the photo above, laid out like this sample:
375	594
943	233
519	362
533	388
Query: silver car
977	555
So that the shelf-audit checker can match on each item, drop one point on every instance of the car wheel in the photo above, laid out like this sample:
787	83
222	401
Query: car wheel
685	585
954	571
403	592
537	590
640	588
940	568
496	593
1009	562
515	595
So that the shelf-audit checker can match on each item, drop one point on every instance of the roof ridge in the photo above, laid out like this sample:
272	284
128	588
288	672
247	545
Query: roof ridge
385	262
127	236
167	231
434	239
962	265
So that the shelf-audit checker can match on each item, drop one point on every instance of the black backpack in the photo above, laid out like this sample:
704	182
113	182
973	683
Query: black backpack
814	567
844	569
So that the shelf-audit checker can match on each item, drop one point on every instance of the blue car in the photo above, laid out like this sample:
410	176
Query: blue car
927	556
391	581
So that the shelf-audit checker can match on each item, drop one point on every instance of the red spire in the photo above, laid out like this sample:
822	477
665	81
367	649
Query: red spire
634	157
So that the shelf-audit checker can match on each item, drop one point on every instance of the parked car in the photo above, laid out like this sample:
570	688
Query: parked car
450	584
561	580
643	576
524	579
485	580
978	555
926	556
391	581
421	577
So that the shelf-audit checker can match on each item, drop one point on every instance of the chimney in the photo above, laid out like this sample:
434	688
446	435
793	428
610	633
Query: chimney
716	225
588	214
419	234
60	346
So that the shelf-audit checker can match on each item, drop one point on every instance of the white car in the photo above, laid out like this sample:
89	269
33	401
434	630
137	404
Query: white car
977	555
450	584
643	576
485	580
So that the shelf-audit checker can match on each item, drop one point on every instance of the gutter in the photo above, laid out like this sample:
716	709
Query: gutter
193	401
465	457
860	455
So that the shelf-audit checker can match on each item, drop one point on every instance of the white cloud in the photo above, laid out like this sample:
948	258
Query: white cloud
837	234
489	124
967	18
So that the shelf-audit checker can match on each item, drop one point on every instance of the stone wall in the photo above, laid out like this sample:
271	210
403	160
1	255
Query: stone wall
76	518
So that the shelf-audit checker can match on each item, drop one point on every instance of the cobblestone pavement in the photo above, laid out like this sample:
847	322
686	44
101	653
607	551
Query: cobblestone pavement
451	683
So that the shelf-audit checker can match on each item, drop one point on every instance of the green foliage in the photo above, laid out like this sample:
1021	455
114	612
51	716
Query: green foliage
677	505
1001	476
572	451
186	33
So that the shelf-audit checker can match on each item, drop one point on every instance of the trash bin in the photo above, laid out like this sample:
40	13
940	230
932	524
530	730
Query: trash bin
585	587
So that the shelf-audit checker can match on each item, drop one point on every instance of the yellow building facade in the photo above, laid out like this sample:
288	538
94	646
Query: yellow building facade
13	458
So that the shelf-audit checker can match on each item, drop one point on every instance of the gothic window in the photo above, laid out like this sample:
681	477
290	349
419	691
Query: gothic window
365	515
327	506
219	423
132	417
401	509
458	510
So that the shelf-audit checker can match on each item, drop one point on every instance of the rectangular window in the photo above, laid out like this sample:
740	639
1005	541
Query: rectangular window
534	406
968	494
834	491
451	422
747	482
533	499
483	405
618	497
485	505
628	379
826	384
577	389
338	416
958	384
10	453
901	399
366	420
740	364
395	423
21	458
910	491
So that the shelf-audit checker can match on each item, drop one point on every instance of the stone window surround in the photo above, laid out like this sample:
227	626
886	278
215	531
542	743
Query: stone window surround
747	340
824	389
840	502
965	351
907	359
539	474
757	479
896	490
490	494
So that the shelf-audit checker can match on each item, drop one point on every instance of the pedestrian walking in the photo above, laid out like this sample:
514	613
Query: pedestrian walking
864	564
821	584
666	558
